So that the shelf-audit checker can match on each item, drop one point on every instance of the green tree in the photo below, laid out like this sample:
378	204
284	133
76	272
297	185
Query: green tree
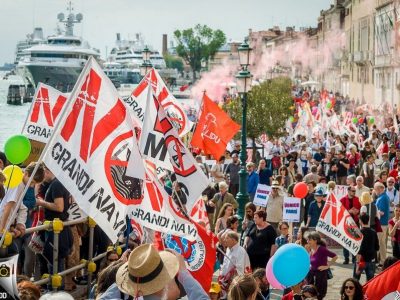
197	44
268	108
173	62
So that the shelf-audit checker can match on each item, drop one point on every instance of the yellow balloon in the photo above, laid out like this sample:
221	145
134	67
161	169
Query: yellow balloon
13	175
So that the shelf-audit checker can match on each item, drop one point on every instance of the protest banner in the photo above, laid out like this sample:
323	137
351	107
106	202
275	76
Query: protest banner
336	223
291	209
340	190
262	194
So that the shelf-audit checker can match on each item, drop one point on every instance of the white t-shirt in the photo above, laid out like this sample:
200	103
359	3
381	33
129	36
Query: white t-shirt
11	196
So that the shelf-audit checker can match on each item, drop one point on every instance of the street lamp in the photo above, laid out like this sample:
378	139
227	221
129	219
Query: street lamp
146	65
243	87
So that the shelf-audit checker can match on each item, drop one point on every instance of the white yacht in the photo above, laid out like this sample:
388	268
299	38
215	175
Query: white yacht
32	39
129	53
59	62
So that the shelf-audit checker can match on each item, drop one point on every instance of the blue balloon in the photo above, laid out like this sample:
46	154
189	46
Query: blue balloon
291	264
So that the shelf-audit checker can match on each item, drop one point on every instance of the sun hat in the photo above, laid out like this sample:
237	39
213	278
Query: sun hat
147	271
215	288
275	184
320	191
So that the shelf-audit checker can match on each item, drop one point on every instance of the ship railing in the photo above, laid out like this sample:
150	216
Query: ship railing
54	279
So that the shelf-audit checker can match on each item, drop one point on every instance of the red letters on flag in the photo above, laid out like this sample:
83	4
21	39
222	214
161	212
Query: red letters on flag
214	129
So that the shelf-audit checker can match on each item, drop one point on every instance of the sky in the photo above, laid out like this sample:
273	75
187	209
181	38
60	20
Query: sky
102	19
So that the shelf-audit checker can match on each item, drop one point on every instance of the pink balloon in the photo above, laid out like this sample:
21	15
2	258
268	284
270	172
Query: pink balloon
271	277
314	110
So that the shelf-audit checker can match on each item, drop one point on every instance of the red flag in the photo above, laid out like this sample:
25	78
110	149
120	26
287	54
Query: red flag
199	213
183	87
200	254
384	285
214	129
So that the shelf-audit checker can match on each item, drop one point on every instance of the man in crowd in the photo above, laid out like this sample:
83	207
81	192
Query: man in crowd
252	180
353	206
232	173
312	176
221	198
343	165
383	205
369	247
236	260
307	200
392	193
275	206
154	276
360	187
316	208
217	170
56	203
264	173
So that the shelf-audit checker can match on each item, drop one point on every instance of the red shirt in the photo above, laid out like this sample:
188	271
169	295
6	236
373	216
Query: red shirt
288	296
385	148
394	173
396	237
350	203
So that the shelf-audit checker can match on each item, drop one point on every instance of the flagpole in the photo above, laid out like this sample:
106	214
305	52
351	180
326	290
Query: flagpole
42	155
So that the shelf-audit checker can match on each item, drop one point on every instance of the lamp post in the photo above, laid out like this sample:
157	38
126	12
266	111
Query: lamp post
146	65
243	86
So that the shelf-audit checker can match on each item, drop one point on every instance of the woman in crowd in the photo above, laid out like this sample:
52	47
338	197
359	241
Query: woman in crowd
351	290
243	287
301	238
111	256
284	237
232	223
224	214
261	241
319	254
394	231
283	171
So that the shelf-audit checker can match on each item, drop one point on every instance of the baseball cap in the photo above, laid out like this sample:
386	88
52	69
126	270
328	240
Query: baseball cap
215	288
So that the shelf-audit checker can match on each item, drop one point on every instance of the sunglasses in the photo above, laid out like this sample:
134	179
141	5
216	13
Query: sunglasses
349	287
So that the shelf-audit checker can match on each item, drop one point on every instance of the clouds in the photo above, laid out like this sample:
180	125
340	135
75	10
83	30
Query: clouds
104	18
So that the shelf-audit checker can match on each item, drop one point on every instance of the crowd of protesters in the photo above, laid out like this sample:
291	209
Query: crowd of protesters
369	166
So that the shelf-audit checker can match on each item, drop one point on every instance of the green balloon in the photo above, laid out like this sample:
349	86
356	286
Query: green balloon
328	105
17	149
355	120
291	119
372	120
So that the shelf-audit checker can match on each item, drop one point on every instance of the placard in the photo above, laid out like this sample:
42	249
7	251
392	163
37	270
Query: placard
262	194
291	209
340	190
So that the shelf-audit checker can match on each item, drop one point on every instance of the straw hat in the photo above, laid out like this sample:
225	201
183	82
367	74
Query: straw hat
147	271
365	198
275	184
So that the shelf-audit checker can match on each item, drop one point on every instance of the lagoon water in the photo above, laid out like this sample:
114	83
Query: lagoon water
12	118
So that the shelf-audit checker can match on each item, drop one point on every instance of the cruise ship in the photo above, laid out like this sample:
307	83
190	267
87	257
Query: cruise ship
32	39
60	60
129	53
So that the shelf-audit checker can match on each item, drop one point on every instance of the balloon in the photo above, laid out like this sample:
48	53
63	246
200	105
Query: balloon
271	277
329	105
372	120
13	175
291	119
300	190
17	149
291	264
354	120
360	120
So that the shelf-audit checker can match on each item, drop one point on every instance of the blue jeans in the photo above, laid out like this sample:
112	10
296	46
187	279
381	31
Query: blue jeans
369	271
346	255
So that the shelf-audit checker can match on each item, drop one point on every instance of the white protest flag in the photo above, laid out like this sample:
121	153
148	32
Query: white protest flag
336	223
174	110
46	106
160	143
199	213
90	149
157	210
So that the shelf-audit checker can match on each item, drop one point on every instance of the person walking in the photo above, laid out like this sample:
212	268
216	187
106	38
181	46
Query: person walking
316	208
320	264
383	205
368	249
260	242
394	231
